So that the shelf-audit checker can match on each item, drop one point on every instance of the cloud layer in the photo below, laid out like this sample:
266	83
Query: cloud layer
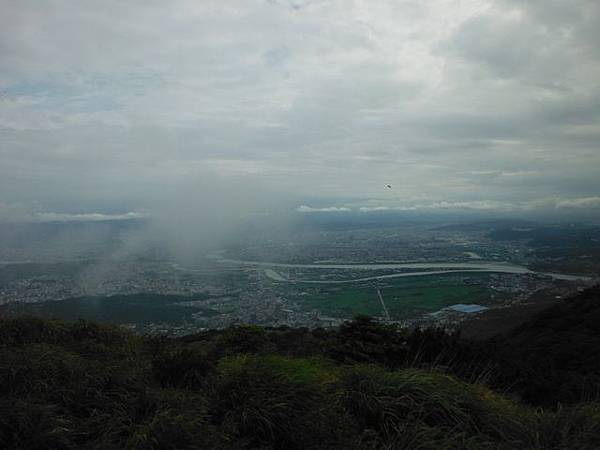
109	107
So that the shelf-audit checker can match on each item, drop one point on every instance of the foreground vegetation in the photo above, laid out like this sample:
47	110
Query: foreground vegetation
363	386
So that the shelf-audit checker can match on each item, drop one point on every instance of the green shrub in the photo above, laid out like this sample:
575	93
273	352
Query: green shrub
400	407
569	428
177	422
185	366
242	339
31	424
82	385
277	402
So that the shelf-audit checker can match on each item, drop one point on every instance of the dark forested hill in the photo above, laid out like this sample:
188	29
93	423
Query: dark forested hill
556	354
363	386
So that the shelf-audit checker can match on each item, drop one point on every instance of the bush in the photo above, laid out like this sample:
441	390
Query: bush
364	386
276	402
400	407
185	366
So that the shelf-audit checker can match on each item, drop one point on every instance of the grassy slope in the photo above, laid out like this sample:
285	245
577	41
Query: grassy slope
84	385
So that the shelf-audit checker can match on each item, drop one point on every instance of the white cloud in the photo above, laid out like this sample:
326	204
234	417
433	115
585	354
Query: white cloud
587	202
374	208
477	204
308	209
88	217
18	212
491	205
388	208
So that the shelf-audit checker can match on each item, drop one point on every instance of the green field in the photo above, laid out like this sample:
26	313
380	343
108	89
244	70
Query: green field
404	297
137	308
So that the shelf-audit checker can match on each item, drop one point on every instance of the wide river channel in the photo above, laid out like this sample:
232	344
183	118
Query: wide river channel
442	267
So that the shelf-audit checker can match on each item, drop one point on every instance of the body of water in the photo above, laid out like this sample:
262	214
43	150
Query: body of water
444	267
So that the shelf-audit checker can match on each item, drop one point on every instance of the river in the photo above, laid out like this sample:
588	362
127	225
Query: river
445	267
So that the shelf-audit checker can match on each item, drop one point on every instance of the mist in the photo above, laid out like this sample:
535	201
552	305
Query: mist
154	131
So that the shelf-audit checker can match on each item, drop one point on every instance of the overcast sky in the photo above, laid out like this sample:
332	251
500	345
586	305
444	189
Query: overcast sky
108	107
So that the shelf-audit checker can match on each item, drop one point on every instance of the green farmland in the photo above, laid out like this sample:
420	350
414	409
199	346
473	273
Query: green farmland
404	297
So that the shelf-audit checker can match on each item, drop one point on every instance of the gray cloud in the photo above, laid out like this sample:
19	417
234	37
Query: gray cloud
113	107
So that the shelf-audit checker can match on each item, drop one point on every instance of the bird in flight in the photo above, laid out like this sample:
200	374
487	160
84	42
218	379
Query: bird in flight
389	186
